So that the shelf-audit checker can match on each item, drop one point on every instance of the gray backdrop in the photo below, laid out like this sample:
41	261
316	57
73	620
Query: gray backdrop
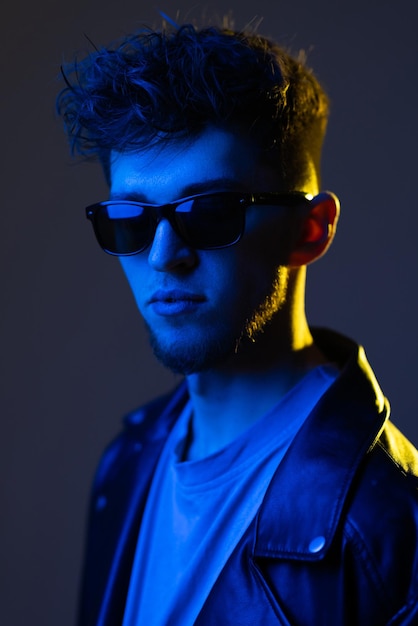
74	354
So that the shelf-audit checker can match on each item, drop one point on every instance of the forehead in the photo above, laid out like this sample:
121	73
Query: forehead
216	159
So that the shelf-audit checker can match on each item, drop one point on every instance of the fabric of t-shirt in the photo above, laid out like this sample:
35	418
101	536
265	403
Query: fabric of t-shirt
197	511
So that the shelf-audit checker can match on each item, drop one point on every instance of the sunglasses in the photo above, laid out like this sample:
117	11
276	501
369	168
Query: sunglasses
205	221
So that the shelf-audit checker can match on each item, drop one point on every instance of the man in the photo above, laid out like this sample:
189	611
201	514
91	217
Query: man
270	487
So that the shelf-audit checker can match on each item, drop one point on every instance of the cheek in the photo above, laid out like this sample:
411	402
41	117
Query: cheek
258	260
269	238
242	281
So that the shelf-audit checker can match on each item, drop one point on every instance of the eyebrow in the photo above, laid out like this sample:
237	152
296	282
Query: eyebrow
206	186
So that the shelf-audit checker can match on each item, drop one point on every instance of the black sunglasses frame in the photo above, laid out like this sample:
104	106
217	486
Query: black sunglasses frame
168	211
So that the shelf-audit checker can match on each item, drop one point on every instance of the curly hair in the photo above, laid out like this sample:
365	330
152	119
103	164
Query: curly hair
157	86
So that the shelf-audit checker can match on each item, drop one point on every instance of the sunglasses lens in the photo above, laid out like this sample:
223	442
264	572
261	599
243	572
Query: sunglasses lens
122	227
210	221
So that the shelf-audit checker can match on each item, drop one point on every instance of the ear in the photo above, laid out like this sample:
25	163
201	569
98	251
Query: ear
317	229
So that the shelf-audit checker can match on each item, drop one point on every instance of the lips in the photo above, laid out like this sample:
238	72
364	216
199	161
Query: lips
175	301
175	295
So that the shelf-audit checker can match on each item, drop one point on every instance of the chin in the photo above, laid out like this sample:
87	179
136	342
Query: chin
190	357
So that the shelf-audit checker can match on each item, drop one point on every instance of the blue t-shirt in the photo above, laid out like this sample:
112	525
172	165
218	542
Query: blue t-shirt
197	511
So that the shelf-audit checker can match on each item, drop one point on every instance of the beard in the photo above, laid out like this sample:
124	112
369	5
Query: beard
191	357
222	341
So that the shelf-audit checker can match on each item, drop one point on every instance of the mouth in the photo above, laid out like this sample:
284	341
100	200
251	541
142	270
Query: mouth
175	295
175	302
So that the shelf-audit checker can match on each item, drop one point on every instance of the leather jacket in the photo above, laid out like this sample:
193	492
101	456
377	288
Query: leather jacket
334	542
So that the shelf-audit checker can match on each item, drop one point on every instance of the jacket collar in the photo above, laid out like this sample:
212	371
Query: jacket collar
314	478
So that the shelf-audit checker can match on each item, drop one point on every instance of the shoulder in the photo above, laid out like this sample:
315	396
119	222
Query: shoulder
146	424
387	482
381	523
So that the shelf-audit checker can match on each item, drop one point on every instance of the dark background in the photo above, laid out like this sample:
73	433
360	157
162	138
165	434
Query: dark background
73	352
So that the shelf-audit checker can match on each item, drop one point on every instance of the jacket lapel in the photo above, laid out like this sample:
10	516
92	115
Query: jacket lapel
314	477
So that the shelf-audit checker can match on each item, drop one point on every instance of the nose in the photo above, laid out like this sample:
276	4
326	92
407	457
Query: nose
168	251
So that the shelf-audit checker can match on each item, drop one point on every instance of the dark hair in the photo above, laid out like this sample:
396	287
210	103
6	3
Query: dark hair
154	86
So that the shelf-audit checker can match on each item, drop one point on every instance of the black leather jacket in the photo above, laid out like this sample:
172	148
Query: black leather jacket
334	542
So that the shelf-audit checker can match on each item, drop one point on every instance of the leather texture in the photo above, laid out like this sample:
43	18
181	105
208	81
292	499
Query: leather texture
334	542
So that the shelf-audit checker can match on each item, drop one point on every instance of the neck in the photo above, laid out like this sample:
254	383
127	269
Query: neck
229	399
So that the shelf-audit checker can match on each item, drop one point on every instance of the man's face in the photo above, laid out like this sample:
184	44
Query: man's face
203	308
